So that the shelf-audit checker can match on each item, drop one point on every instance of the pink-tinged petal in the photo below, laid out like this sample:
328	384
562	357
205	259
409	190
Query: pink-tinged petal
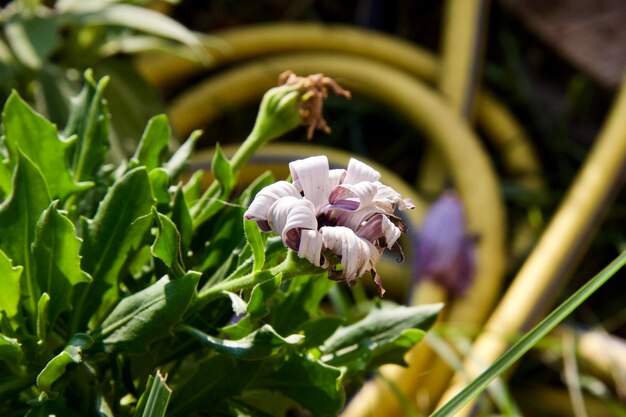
288	216
444	253
362	192
358	171
311	246
357	255
379	226
264	199
311	175
353	220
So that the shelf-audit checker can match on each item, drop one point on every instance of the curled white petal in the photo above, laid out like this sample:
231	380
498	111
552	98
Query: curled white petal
358	171
259	208
357	255
311	176
388	197
311	246
335	177
288	216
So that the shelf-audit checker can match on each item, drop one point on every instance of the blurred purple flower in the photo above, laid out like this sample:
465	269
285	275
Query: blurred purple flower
444	252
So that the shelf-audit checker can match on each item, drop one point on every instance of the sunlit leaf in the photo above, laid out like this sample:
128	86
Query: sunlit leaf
148	315
223	171
153	143
182	218
167	245
43	317
89	121
258	306
56	249
133	17
384	335
179	161
259	344
38	139
117	230
18	218
160	183
10	349
9	286
154	401
55	368
253	236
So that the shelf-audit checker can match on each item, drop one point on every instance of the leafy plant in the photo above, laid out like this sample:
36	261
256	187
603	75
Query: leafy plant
45	46
126	291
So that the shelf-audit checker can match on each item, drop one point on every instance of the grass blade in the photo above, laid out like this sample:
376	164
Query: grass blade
529	340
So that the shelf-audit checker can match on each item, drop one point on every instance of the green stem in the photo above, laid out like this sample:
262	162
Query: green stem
291	267
531	338
278	114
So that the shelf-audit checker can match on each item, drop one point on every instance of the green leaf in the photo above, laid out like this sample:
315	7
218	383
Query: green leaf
89	121
148	315
239	306
261	343
223	171
166	246
153	143
160	183
111	237
9	286
153	402
39	140
384	335
182	218
317	330
260	296
43	317
131	102
313	384
55	88
56	249
5	179
178	162
18	218
10	349
132	17
217	379
32	38
300	302
54	370
193	188
253	236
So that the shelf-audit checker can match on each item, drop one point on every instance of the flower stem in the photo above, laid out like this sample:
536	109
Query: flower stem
291	267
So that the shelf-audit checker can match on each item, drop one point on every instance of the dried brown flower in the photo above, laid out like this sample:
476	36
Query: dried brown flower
314	90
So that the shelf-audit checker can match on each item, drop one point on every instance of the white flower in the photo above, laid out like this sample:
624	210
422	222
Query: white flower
333	216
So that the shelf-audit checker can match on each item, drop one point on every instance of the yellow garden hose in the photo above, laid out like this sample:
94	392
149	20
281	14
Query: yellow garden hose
562	243
260	40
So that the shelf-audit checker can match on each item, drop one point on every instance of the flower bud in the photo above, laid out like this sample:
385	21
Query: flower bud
444	252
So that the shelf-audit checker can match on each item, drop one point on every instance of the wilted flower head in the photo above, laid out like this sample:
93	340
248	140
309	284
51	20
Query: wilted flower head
333	216
314	90
444	251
